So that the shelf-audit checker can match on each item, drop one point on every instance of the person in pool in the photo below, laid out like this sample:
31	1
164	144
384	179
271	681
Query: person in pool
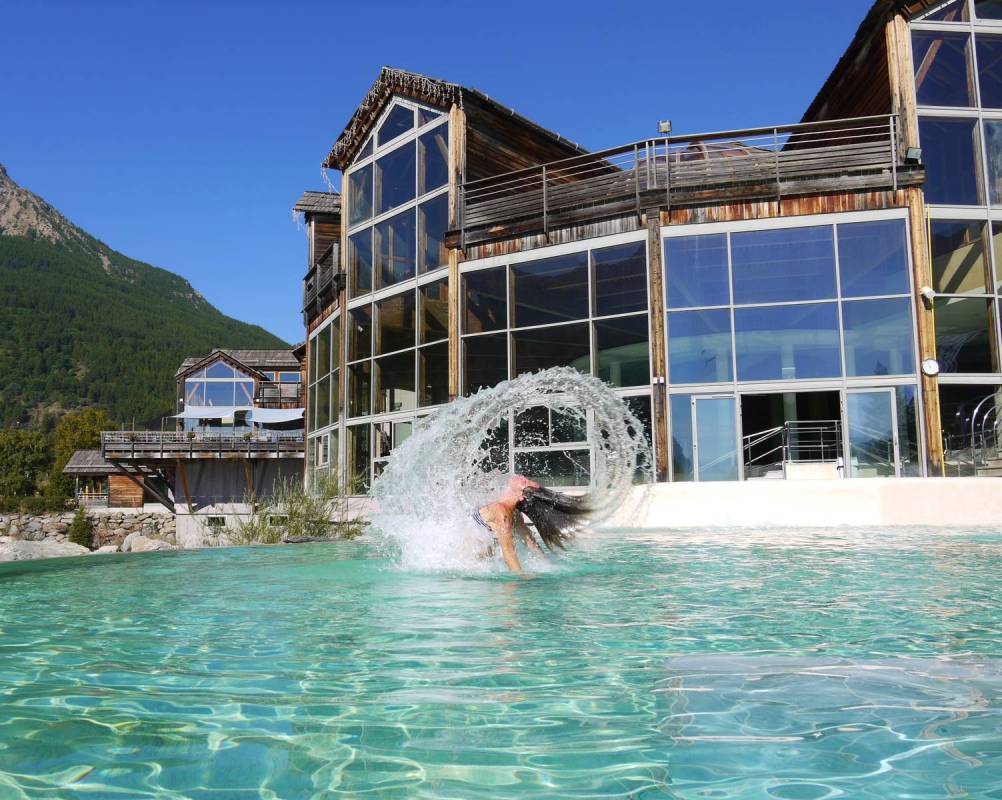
555	516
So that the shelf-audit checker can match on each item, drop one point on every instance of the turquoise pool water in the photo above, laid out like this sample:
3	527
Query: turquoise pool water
693	666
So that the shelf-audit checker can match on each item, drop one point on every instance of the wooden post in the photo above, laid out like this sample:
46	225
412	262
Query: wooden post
457	172
184	485
901	73
249	479
659	389
925	317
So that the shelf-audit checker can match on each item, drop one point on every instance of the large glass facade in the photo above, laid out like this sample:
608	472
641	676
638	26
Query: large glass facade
758	310
957	53
397	200
323	377
585	309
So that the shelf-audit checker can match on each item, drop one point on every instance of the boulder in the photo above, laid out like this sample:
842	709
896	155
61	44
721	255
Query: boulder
22	550
108	548
142	544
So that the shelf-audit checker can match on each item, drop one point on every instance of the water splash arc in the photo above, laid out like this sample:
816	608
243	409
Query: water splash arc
445	469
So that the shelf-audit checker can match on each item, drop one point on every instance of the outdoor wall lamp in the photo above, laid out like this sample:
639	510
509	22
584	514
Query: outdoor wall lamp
664	126
913	155
928	294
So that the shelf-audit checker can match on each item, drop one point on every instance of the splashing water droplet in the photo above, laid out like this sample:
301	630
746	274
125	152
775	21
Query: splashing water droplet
457	460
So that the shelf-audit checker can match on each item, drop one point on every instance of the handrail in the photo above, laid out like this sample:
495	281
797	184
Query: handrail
798	437
754	162
696	137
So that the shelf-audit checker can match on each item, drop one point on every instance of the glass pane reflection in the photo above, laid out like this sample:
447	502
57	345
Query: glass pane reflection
621	351
878	337
943	76
965	340
873	258
787	342
783	265
557	346
696	270
699	346
950	153
550	290
959	257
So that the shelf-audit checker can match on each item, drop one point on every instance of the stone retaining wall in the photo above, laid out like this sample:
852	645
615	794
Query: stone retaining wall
110	527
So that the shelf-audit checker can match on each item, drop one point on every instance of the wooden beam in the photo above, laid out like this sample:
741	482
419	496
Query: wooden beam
926	323
659	391
184	485
161	498
902	69
249	479
457	172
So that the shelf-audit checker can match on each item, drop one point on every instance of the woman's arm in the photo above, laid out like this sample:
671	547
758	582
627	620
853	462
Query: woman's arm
507	541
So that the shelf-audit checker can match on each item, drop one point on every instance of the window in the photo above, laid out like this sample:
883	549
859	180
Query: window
554	346
434	311
959	257
878	337
359	333
990	70
951	154
620	279
993	154
787	342
873	258
954	11
433	151
407	178
485	361
433	375
786	264
700	350
943	74
550	290
433	221
556	303
395	389
357	459
965	334
485	300
621	351
397	123
396	327
988	9
681	437
360	195
394	247
696	268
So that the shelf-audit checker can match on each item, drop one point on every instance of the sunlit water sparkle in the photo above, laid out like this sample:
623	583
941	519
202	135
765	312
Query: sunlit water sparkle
751	664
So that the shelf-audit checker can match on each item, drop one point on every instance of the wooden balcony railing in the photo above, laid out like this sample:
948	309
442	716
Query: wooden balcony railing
158	445
753	164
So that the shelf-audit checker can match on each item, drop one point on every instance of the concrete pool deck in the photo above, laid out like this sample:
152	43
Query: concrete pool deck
943	502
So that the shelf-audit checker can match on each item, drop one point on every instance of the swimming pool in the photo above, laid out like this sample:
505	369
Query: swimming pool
705	664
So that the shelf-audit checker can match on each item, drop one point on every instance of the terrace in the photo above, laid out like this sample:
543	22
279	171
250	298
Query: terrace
157	446
756	164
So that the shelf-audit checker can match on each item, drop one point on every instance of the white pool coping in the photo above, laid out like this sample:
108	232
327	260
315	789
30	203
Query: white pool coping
929	502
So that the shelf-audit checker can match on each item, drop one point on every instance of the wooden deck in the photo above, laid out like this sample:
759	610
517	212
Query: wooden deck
761	163
156	446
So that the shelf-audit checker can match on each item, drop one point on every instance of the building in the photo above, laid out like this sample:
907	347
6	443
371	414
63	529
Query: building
802	300
100	484
238	433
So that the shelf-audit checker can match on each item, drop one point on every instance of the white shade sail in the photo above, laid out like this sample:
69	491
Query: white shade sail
210	412
266	416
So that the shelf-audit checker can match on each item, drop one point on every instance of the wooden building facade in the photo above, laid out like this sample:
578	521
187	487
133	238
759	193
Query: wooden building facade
771	302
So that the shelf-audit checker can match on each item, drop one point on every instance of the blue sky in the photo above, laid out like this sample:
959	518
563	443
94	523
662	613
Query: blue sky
181	133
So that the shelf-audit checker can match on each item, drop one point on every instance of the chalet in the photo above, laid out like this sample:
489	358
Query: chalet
238	431
816	299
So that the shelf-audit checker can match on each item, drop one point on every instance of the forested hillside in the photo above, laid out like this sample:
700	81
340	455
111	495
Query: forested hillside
82	325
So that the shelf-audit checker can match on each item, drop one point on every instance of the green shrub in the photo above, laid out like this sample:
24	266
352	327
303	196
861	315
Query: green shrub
34	504
81	530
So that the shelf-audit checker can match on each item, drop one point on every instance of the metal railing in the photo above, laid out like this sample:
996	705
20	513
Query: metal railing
743	164
200	444
794	442
88	499
320	277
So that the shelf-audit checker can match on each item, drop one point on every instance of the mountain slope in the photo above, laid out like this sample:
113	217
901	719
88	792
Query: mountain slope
83	325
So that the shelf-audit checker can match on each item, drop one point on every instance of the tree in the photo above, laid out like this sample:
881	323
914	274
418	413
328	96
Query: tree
24	457
79	431
81	531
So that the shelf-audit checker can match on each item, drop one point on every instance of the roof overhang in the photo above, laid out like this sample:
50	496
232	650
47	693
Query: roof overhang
430	91
220	355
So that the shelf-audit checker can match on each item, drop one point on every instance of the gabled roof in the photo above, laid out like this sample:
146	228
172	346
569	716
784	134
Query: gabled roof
88	462
431	91
251	361
318	203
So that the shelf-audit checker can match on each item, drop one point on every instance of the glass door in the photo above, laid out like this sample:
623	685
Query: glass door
872	433
715	438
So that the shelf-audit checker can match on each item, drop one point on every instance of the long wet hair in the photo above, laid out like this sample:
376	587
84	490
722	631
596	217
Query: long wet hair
557	517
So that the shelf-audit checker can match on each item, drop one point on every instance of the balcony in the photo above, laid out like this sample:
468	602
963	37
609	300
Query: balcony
320	286
706	169
158	446
272	394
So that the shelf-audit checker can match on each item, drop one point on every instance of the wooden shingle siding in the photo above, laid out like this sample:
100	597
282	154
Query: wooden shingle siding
123	493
